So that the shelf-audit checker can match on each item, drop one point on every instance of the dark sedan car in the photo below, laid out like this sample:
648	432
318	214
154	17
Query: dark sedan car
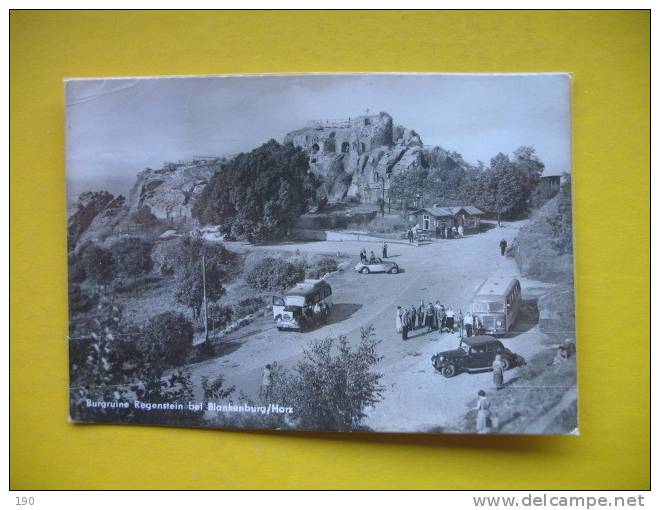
474	354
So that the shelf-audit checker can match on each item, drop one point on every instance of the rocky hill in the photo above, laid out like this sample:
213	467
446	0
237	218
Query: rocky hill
94	212
170	191
356	156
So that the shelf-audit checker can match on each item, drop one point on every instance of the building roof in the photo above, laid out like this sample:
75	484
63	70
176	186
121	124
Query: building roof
496	286
306	288
443	212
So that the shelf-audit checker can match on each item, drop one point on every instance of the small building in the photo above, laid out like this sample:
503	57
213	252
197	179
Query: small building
435	221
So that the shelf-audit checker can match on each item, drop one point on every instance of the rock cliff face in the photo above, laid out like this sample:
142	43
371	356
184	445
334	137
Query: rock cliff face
170	191
95	212
356	157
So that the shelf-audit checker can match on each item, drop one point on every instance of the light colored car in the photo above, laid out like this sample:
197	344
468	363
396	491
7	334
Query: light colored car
377	266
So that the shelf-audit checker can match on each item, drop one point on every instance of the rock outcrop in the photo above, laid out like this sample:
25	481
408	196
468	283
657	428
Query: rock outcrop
356	157
95	212
170	192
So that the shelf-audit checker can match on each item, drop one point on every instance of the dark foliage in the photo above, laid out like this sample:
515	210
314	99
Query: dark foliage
167	339
333	385
258	195
272	273
562	227
99	264
80	301
132	256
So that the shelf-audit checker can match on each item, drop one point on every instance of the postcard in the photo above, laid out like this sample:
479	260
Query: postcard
329	252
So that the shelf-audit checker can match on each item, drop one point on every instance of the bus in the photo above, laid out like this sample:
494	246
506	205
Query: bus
496	305
303	306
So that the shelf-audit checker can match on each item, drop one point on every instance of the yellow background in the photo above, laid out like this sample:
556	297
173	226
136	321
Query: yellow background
608	52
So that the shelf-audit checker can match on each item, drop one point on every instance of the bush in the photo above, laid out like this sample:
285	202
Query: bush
81	301
332	387
167	338
132	256
272	273
77	273
320	266
248	306
219	316
98	263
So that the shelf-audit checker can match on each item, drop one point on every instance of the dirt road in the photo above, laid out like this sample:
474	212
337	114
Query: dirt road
416	397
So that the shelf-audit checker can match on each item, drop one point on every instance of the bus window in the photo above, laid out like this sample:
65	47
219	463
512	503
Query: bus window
496	306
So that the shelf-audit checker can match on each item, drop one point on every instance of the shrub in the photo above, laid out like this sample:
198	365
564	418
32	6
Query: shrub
320	266
272	273
248	306
132	256
333	384
81	301
77	273
167	339
219	316
98	263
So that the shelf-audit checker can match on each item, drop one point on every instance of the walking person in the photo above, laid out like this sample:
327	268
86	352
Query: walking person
503	246
384	250
498	372
266	381
468	321
483	412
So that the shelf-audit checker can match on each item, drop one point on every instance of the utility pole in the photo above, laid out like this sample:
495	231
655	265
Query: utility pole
206	308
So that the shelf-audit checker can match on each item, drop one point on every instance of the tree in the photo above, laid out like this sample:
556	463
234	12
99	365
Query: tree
219	262
275	274
98	263
132	256
333	385
167	339
258	195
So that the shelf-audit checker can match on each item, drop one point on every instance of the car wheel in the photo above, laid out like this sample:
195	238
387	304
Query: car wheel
394	270
364	270
449	371
505	364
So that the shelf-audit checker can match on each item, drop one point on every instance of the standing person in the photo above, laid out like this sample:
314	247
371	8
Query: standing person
410	235
476	329
449	321
498	372
420	315
384	250
442	317
460	230
266	381
317	313
468	321
363	256
483	411
399	323
503	246
404	323
459	322
429	317
413	317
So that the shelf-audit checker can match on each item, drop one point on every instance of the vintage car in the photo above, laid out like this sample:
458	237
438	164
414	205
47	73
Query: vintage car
474	354
377	266
295	310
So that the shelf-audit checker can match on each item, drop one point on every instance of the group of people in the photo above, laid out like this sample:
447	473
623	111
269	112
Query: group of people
435	317
371	259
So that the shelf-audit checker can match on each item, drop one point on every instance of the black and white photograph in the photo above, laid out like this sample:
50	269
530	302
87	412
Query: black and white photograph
326	252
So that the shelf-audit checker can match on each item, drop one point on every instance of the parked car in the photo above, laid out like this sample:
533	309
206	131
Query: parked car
377	266
475	354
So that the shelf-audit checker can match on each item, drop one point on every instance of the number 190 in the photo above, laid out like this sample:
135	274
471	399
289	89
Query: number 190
24	500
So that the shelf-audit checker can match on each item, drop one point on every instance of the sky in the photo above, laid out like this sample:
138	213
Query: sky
118	127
